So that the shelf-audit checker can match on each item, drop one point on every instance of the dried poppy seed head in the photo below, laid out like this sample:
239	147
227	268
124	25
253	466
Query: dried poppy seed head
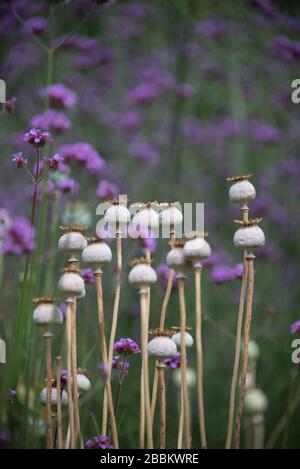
161	347
96	253
190	377
176	258
142	274
46	312
72	240
250	236
160	331
83	383
241	191
256	402
71	283
196	249
188	339
170	216
43	397
146	217
117	214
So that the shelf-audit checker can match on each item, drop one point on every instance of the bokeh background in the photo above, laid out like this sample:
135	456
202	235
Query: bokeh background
164	100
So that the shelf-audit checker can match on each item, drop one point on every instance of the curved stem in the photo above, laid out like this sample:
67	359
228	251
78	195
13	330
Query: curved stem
250	260
198	334
181	422
237	354
58	406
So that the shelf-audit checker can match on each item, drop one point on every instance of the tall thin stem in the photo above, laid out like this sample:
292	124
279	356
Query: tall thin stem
181	422
58	404
199	351
69	369
144	345
77	431
250	260
183	367
237	354
142	411
107	367
48	338
162	400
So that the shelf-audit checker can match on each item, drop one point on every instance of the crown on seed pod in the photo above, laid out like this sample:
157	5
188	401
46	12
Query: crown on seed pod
242	190
249	235
161	346
142	274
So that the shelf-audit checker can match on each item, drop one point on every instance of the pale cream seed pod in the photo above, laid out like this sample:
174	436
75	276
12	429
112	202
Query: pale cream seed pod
170	216
190	377
146	217
256	402
196	249
249	237
46	313
142	275
242	192
96	253
83	383
188	339
71	283
72	240
176	259
43	397
117	214
161	347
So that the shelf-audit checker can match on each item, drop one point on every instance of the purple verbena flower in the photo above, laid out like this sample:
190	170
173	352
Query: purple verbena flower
19	160
37	138
67	186
173	362
295	327
88	276
99	442
64	377
19	238
221	274
120	364
85	154
107	190
60	96
126	346
54	161
35	25
52	121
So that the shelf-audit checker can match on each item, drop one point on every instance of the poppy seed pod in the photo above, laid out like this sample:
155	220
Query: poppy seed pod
253	351
46	313
83	383
176	259
161	347
170	216
142	274
96	253
117	214
241	191
43	397
146	218
196	249
256	402
188	339
190	377
71	283
73	240
250	236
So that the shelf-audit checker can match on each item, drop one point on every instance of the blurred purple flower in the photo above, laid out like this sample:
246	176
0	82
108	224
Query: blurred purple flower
173	362
11	395
99	442
130	121
295	327
53	121
5	437
85	154
142	94
145	152
238	270
287	49
10	104
19	238
125	346
35	25
262	132
120	364
60	96
64	377
163	272
211	27
221	274
67	185
107	190
185	90
266	7
19	160
88	276
37	138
